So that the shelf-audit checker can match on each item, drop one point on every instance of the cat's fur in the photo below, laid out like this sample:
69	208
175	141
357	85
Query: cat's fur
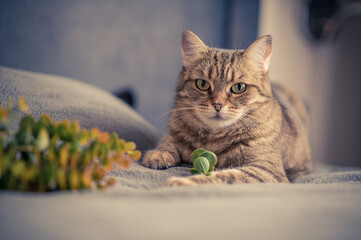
258	136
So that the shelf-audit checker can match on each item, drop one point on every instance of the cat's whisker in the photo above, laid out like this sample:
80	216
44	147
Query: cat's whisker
168	98
265	123
175	110
189	122
176	121
173	94
254	126
272	127
239	127
240	43
164	114
181	118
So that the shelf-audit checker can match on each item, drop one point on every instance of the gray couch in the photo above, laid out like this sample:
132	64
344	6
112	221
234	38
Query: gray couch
323	205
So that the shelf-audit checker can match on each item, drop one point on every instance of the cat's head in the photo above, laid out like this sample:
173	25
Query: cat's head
220	87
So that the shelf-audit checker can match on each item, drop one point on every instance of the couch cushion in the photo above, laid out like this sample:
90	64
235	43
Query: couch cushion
65	98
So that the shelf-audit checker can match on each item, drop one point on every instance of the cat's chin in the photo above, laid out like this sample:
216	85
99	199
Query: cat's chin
218	122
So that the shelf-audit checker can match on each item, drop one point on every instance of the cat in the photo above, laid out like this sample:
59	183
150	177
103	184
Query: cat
225	103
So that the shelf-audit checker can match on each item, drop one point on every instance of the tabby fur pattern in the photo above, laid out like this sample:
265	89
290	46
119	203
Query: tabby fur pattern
259	135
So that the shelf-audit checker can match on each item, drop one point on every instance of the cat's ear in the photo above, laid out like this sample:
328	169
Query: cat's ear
192	48
260	52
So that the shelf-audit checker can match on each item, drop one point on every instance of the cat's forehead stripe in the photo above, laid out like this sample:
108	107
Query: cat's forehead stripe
232	58
219	65
210	73
214	72
230	74
216	64
224	64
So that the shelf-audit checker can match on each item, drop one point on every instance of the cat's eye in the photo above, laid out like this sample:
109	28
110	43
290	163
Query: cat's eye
202	85
238	88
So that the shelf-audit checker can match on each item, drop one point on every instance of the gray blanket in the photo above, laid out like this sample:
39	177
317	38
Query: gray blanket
322	205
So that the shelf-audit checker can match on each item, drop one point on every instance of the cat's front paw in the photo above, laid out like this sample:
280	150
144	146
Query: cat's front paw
179	181
158	160
198	179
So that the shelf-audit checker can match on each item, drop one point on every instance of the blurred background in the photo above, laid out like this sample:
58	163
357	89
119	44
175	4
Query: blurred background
135	44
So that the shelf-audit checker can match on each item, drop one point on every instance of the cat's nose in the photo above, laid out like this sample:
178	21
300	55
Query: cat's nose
217	106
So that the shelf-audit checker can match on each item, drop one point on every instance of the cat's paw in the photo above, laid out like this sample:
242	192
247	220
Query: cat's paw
158	160
179	181
198	179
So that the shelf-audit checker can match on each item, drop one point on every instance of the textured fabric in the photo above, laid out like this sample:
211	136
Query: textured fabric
64	98
138	207
139	177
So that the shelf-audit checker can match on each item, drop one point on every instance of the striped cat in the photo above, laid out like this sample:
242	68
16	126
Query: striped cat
225	103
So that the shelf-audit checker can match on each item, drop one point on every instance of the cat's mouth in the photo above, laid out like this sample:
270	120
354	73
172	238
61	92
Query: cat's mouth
216	120
217	117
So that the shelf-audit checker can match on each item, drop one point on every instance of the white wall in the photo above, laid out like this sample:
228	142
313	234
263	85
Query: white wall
111	43
119	43
300	62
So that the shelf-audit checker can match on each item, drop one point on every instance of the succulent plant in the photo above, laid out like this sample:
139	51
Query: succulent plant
203	161
45	156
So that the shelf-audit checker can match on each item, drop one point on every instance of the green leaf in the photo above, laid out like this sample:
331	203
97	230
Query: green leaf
36	129
27	122
45	119
42	141
23	137
50	176
135	155
46	156
17	168
103	153
120	145
4	113
44	122
64	155
23	106
4	164
74	147
113	140
30	173
194	171
129	146
83	137
51	130
212	158
75	127
196	153
74	179
201	164
61	178
64	133
10	105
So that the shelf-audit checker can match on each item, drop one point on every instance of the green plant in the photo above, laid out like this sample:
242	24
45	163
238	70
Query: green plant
203	161
45	156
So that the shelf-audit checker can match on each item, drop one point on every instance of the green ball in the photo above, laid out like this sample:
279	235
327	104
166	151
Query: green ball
194	171
196	153
212	158
201	164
